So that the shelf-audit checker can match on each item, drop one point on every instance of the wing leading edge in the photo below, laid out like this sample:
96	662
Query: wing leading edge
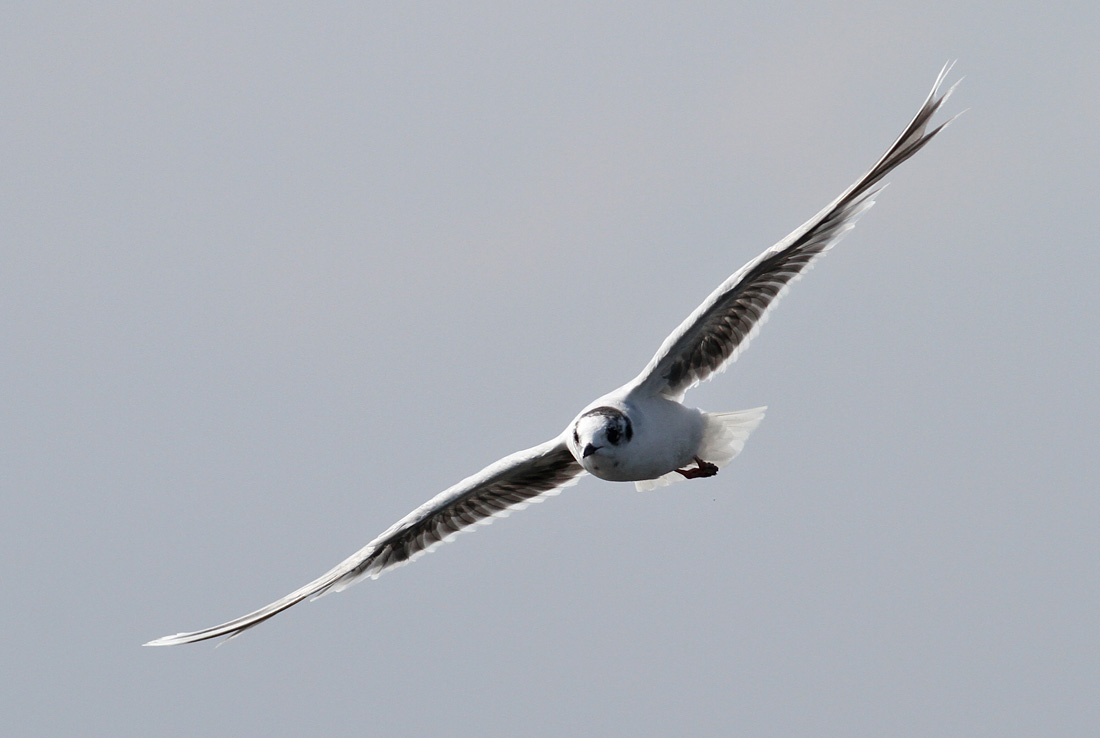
510	484
720	329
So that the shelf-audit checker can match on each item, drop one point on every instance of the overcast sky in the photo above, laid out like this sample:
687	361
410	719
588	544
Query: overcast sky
272	277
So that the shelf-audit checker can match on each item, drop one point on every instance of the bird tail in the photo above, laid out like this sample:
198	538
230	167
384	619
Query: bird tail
724	435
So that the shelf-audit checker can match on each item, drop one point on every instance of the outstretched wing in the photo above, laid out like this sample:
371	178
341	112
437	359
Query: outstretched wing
510	484
719	329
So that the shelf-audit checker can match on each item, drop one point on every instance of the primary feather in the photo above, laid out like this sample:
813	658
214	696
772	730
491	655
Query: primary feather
512	483
720	329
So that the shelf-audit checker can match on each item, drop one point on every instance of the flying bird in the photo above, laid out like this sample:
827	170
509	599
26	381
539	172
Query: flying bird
641	432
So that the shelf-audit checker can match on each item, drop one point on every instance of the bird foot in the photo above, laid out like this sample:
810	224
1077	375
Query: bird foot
702	469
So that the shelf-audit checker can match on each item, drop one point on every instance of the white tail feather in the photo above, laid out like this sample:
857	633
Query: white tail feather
724	435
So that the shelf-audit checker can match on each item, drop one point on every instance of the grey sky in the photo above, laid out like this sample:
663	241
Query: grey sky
271	278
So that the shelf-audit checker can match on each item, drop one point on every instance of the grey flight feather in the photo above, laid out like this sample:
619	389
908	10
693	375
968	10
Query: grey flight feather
715	334
509	484
705	343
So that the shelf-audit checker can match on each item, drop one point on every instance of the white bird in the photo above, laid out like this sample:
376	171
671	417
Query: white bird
640	432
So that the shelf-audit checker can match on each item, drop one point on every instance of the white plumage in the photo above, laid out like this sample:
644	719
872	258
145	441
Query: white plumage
641	432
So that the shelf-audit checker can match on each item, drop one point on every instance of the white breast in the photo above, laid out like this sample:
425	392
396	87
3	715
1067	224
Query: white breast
666	436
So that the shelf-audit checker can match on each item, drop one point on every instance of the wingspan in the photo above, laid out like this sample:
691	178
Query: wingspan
510	484
715	334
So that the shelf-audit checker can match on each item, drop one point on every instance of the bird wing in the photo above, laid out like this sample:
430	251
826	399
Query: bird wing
510	484
714	335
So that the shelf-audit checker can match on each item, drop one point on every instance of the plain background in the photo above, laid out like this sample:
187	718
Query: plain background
273	275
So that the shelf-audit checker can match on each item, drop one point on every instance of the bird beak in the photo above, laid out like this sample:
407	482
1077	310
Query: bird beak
588	451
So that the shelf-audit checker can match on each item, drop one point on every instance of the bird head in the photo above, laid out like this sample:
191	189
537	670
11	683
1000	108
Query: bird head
598	434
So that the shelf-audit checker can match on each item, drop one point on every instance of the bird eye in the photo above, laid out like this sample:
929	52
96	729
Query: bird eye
613	436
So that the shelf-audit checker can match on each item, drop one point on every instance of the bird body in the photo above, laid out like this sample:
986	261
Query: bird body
645	437
641	432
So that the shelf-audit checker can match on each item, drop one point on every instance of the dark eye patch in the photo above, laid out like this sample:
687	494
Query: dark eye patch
618	427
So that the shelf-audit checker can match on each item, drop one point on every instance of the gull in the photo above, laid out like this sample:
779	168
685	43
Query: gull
641	432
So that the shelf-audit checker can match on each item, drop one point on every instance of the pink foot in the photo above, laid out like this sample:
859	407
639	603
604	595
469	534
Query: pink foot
702	469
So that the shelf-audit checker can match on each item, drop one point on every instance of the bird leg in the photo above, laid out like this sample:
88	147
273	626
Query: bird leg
702	469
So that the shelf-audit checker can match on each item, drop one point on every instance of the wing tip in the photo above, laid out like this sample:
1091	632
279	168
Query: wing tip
173	640
196	636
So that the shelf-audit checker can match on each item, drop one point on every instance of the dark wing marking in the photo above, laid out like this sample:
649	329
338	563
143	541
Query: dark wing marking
510	484
719	329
